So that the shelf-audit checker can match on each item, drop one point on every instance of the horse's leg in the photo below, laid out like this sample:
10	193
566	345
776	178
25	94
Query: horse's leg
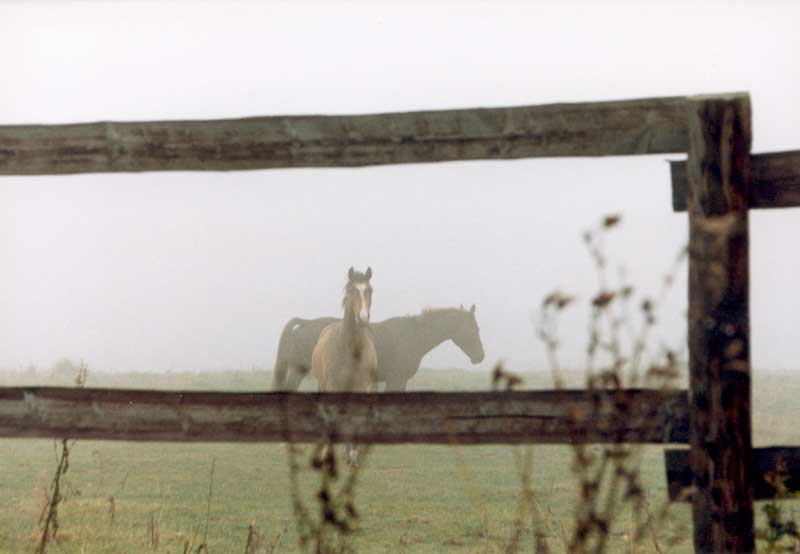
352	455
323	449
367	384
324	452
294	377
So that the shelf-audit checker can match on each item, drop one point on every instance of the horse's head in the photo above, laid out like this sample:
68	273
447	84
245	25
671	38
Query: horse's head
467	336
358	295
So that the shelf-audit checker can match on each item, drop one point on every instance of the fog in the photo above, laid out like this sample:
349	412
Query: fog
200	271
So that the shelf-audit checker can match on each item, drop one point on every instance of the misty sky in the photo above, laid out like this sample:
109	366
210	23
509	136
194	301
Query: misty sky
200	271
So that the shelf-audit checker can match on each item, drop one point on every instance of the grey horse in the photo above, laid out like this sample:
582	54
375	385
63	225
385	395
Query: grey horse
400	343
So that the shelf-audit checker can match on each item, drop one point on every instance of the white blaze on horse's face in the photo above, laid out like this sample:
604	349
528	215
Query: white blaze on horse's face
363	313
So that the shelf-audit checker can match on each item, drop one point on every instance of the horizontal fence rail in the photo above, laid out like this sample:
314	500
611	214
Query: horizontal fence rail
645	126
551	417
774	181
771	465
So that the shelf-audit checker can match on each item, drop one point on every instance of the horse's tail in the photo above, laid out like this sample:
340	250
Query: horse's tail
281	368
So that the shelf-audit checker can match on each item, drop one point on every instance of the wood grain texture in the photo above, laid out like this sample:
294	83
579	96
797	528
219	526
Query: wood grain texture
554	417
646	126
719	324
774	181
781	461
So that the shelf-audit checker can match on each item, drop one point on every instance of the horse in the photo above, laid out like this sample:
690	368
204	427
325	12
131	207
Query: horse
344	358
400	342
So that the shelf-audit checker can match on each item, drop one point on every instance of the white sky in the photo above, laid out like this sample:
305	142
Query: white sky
189	271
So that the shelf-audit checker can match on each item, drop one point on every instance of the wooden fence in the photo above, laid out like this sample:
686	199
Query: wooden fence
554	417
717	184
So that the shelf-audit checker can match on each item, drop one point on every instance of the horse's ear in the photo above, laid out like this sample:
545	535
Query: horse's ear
369	273
472	309
350	274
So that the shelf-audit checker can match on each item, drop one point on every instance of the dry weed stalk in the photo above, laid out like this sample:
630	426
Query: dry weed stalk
328	532
527	507
256	539
112	512
203	547
48	519
529	512
468	479
154	529
608	477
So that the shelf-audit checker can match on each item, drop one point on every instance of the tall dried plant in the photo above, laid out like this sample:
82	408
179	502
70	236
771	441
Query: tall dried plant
609	480
49	524
329	530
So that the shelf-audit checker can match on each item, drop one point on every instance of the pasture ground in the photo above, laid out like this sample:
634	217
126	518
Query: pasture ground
427	499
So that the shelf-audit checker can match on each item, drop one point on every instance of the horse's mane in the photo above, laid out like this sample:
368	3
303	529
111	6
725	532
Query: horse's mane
434	310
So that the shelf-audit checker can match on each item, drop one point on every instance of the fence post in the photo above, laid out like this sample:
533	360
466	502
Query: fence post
719	328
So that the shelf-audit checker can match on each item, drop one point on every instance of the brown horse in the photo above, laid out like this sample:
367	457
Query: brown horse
401	344
344	358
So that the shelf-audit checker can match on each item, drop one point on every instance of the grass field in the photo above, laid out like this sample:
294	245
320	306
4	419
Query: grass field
119	496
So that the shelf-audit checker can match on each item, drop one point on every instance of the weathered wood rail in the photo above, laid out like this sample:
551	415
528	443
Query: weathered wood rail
774	181
648	126
782	462
717	184
550	417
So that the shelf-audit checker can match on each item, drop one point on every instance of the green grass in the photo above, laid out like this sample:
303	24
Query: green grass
410	498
